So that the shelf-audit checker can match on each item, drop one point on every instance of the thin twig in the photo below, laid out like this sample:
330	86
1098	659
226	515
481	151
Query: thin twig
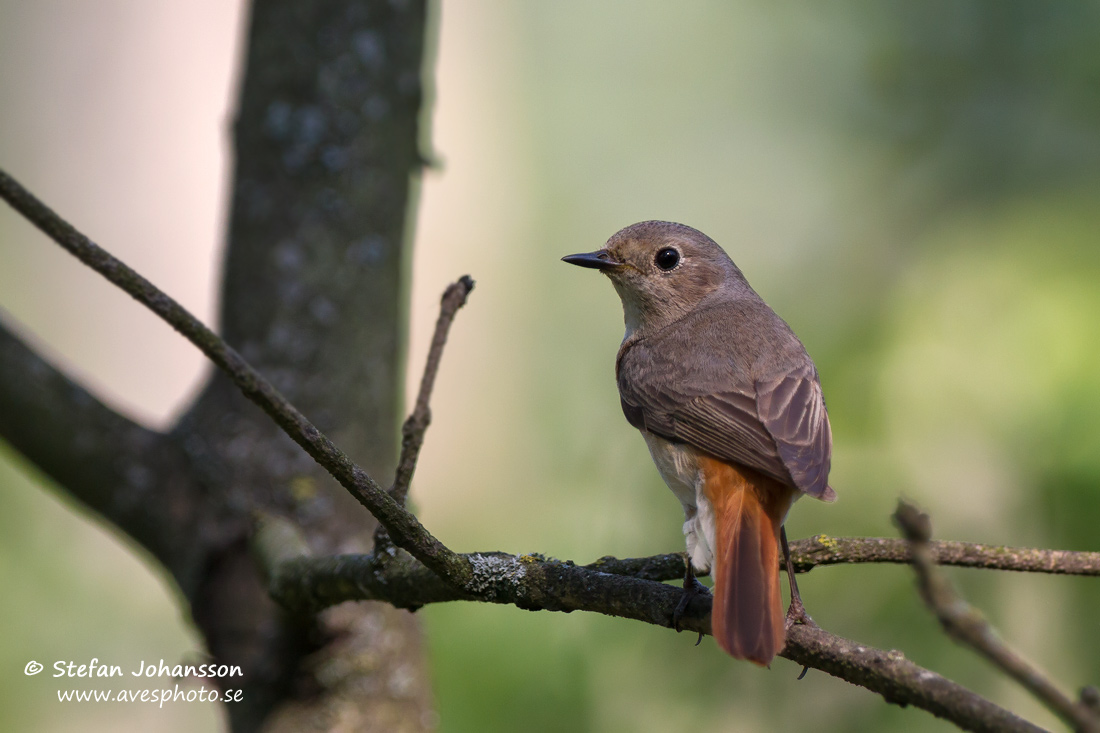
412	432
822	550
825	550
416	425
403	527
536	583
965	624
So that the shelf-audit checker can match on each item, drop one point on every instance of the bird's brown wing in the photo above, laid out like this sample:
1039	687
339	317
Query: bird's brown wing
777	426
792	409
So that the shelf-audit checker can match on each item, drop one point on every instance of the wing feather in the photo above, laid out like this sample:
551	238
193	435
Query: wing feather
778	426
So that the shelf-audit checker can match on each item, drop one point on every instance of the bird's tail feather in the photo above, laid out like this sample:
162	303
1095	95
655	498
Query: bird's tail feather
747	618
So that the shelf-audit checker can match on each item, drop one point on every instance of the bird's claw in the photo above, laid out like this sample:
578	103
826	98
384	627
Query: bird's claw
692	589
796	614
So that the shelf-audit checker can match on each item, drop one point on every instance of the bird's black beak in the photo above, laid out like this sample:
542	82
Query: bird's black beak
598	260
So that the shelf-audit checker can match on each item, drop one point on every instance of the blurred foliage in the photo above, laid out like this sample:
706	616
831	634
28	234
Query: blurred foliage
912	186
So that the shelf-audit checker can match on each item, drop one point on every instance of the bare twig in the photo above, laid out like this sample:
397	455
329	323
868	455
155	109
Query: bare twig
404	528
412	432
965	624
821	550
416	425
536	583
824	550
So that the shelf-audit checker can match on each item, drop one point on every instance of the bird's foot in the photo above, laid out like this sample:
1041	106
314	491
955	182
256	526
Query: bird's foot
692	589
796	614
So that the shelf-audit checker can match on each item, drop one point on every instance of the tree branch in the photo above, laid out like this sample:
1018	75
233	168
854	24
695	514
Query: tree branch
405	530
965	624
531	582
824	550
412	432
414	428
135	478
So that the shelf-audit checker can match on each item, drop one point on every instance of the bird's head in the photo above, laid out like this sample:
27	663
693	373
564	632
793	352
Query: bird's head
661	271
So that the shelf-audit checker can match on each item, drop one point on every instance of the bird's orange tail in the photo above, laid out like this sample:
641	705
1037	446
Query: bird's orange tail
747	618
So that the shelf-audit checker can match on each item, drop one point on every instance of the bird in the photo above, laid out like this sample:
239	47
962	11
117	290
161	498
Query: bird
731	408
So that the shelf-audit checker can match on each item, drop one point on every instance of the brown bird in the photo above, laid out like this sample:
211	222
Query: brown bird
731	408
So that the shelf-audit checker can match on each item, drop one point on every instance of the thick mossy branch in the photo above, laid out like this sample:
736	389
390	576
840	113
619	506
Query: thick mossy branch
536	583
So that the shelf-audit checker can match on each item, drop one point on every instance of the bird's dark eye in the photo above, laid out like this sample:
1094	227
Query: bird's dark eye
667	258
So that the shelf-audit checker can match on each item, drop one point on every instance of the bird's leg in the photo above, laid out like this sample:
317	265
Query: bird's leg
796	614
692	588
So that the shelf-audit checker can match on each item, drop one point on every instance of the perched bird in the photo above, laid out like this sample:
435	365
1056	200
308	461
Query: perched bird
730	406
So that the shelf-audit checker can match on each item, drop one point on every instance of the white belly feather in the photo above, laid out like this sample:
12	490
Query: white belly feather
678	465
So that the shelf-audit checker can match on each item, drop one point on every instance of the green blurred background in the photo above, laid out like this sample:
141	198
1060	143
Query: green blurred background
914	187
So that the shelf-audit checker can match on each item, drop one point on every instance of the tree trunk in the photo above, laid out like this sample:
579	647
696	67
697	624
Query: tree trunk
314	296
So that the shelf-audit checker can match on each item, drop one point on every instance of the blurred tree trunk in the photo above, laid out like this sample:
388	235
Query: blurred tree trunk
314	295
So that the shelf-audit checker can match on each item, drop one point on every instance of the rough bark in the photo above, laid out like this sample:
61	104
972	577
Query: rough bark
326	140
